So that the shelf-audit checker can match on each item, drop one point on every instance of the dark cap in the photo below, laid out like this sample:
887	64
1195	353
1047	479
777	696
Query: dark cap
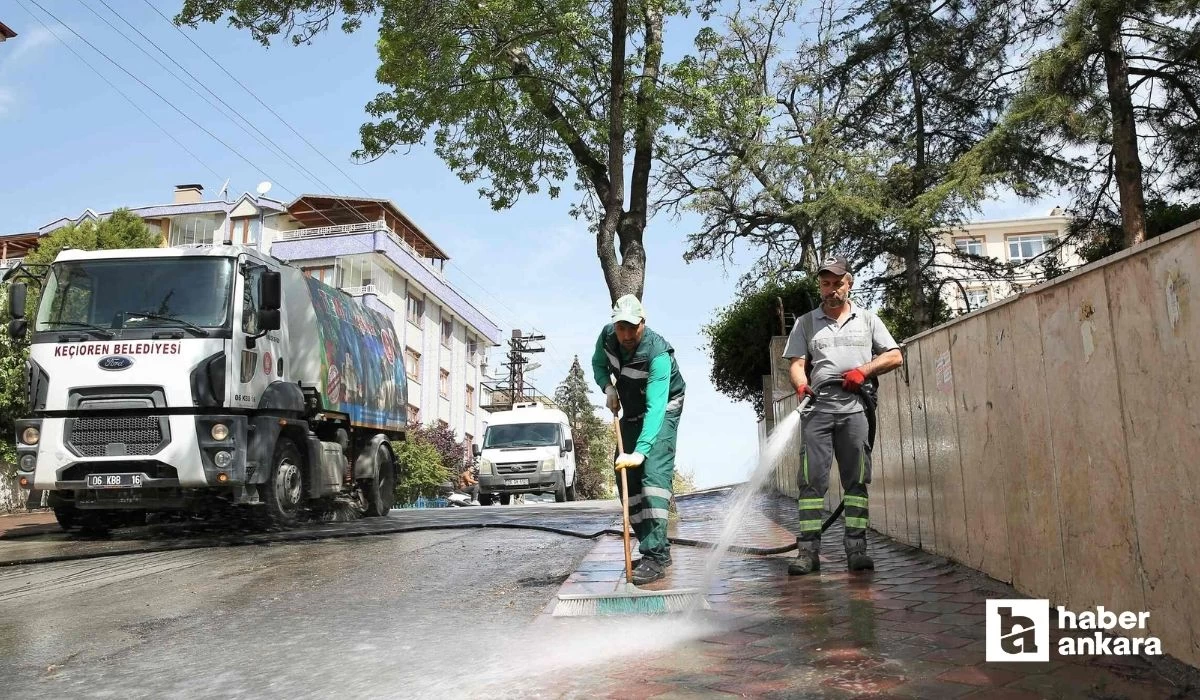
837	266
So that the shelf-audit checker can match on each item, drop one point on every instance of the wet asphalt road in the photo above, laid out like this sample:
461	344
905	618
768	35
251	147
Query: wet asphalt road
401	615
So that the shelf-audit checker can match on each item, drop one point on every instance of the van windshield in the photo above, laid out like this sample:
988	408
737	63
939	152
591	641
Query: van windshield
521	435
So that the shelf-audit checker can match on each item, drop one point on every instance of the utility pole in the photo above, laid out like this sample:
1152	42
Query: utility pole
517	362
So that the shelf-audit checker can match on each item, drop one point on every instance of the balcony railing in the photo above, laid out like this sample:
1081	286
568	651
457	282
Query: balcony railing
365	227
359	291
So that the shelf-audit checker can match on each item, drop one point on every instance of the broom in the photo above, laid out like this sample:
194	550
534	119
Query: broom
628	599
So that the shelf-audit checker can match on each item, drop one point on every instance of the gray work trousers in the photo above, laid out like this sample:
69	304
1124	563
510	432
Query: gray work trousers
826	436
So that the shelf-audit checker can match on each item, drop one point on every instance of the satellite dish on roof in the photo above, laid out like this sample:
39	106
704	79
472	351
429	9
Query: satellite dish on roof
263	187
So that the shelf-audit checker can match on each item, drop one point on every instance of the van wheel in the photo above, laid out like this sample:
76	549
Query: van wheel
505	499
485	499
381	491
560	489
571	492
283	493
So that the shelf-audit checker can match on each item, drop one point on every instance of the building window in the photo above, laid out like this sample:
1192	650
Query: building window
444	383
416	311
447	331
443	424
472	351
324	274
412	359
1028	247
470	399
414	414
977	298
242	233
194	230
970	246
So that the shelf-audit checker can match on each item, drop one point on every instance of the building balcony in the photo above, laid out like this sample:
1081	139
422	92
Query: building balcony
356	239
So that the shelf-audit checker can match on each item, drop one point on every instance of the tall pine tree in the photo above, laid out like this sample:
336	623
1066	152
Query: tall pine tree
593	437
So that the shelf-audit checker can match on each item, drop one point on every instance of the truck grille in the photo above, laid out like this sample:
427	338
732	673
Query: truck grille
93	436
516	468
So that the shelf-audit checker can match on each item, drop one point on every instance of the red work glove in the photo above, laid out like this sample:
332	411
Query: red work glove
853	380
804	390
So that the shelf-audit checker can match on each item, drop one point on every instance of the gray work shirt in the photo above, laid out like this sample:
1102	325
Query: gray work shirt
836	349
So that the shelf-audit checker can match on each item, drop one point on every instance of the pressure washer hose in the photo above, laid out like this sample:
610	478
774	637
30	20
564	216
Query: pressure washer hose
869	402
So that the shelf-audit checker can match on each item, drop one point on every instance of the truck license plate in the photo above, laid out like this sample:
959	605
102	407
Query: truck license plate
114	481
516	482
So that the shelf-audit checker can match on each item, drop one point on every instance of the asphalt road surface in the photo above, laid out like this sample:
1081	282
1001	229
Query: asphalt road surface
428	614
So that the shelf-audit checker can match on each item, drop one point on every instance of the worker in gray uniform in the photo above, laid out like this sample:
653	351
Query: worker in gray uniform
839	340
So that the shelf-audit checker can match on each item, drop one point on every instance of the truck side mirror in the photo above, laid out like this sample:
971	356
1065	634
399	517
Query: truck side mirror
475	449
16	300
268	319
270	292
16	328
570	446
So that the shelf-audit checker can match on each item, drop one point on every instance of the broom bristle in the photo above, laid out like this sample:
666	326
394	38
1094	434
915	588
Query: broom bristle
642	603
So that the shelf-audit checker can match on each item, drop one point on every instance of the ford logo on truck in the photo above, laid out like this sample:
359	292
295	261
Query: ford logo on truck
114	363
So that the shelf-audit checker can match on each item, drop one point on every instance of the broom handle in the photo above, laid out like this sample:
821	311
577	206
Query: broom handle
624	503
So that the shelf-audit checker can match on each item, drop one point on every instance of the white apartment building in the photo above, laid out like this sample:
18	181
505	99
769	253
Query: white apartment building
1007	240
373	251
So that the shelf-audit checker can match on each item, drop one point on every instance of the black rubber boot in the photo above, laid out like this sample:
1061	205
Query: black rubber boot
649	570
807	559
856	554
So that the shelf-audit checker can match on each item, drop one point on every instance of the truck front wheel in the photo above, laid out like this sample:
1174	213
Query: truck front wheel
283	493
381	491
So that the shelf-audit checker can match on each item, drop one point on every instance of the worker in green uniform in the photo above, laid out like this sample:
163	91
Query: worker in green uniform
650	389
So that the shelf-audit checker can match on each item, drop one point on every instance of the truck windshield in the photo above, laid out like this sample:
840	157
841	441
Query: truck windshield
179	292
521	435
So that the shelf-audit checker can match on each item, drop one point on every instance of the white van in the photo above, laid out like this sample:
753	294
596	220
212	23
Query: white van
526	450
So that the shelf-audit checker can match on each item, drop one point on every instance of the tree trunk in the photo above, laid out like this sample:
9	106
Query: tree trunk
916	288
1125	148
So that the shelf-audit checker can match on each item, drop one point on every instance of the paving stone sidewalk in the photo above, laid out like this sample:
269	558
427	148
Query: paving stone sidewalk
912	628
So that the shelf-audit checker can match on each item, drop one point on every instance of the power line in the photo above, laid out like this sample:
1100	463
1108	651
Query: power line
256	97
158	95
269	143
118	90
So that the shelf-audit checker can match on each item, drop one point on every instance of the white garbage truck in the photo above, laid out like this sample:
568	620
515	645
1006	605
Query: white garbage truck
193	379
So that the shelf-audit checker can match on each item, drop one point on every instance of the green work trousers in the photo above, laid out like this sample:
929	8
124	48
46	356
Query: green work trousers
650	485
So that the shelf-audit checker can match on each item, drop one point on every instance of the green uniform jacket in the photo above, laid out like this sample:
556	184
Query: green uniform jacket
646	382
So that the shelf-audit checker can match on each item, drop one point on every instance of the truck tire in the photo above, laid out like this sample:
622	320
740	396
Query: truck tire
560	489
571	492
485	499
381	491
283	493
505	499
66	516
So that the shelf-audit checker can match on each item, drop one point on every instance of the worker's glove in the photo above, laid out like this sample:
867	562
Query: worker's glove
853	380
614	401
625	461
804	391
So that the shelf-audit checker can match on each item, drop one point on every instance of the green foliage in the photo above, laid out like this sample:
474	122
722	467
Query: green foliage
1106	238
119	231
593	452
739	338
421	470
897	314
682	481
455	454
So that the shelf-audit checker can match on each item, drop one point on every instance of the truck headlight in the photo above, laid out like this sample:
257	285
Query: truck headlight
547	465
220	432
31	435
223	459
27	463
485	467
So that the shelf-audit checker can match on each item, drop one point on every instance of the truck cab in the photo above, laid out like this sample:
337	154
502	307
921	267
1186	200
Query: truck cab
529	449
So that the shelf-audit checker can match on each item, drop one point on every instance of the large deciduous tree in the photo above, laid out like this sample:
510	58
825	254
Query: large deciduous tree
521	94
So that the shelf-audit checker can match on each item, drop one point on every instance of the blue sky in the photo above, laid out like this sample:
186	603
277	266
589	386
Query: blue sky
69	141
